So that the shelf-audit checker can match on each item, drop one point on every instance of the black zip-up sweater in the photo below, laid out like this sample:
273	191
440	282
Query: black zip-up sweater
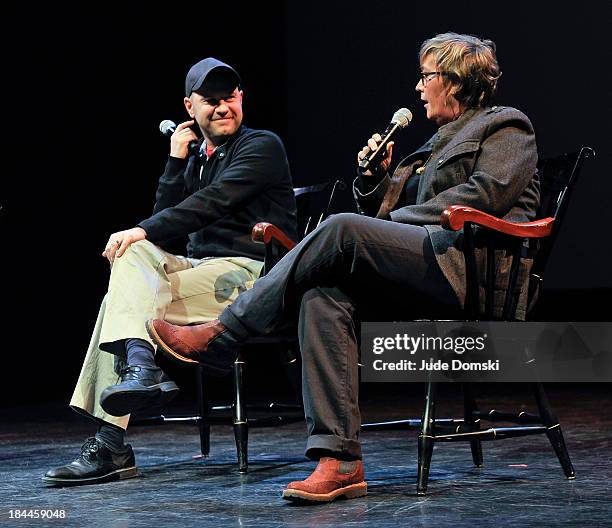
245	181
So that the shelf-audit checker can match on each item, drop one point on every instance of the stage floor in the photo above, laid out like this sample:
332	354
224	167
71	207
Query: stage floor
521	484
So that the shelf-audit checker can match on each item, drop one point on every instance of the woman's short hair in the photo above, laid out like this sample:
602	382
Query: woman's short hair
467	62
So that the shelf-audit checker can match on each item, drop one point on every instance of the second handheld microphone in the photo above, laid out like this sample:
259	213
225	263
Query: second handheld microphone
401	119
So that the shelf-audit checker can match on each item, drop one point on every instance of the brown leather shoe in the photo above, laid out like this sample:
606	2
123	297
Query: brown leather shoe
331	479
209	344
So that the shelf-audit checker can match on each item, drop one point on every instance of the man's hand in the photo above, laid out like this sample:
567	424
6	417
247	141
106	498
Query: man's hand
120	241
180	139
371	147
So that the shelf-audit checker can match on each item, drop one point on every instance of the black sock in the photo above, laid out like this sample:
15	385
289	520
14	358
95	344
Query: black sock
111	435
140	352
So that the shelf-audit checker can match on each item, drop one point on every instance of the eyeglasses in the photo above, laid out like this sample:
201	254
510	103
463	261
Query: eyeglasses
425	77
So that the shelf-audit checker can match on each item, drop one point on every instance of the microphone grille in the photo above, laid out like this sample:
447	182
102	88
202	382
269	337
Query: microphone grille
402	117
167	127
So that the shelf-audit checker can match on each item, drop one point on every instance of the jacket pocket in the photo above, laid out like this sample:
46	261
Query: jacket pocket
463	149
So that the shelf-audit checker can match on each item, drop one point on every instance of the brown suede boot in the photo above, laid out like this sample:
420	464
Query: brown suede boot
209	344
331	478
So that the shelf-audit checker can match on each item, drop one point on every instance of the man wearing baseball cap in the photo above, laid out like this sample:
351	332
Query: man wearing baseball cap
214	193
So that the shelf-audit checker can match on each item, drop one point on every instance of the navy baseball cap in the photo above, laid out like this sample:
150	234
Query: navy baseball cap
210	70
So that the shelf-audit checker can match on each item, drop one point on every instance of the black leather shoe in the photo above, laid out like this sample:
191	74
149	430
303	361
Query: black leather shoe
140	388
96	464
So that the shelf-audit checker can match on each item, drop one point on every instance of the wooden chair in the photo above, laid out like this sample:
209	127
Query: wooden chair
314	204
558	178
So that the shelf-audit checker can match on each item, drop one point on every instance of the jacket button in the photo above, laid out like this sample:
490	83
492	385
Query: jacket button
221	154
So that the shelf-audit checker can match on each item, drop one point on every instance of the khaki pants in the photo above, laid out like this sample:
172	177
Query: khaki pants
148	282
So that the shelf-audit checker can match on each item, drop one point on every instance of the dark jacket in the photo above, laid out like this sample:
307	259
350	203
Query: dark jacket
218	201
486	159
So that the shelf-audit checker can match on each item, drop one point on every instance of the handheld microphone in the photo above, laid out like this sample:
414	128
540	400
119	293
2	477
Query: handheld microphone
400	119
167	128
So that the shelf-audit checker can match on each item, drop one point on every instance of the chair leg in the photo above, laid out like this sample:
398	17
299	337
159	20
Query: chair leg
469	407
553	431
426	438
203	423
241	426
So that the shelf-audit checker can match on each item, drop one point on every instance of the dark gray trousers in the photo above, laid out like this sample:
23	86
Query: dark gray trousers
351	268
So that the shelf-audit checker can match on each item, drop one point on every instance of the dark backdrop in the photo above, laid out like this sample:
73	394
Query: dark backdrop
86	92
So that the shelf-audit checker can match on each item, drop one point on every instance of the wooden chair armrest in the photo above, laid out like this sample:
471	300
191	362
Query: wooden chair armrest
264	233
455	216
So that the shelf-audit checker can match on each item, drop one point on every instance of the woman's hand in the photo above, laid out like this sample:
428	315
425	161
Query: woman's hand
372	145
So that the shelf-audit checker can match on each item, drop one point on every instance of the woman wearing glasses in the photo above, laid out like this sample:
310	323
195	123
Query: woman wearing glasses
395	253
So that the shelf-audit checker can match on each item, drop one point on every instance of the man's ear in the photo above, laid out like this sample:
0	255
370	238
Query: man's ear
189	106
